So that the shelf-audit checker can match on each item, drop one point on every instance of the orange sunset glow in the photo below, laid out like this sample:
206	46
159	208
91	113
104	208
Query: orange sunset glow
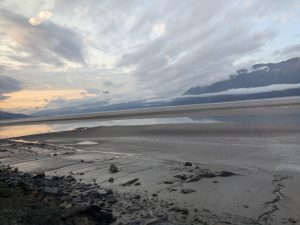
33	99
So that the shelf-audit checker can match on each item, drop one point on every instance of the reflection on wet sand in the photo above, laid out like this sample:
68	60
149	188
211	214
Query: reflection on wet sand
17	131
22	130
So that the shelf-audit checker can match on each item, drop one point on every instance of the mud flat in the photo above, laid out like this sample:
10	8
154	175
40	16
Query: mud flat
173	174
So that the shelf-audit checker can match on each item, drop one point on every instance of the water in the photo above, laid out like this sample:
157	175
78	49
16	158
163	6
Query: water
22	130
246	118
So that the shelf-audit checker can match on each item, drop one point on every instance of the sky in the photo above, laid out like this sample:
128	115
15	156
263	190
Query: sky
59	53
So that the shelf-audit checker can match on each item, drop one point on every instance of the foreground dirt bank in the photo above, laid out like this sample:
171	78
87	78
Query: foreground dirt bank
89	181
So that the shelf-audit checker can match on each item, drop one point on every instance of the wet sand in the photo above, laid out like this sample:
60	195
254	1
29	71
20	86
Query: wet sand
263	162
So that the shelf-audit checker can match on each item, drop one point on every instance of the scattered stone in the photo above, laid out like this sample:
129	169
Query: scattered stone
188	164
215	181
246	206
51	190
38	176
225	222
130	182
137	196
225	174
209	174
292	220
102	192
86	161
111	180
5	193
187	191
181	176
168	182
51	200
98	214
194	178
183	211
34	194
111	199
137	184
113	168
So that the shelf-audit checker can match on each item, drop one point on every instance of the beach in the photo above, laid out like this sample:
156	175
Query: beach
216	171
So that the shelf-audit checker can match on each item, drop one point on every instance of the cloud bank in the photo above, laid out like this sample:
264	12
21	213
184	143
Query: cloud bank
47	43
8	85
136	50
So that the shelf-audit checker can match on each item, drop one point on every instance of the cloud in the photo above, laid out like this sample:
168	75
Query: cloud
138	49
200	47
290	51
236	91
159	29
8	85
28	100
40	17
47	43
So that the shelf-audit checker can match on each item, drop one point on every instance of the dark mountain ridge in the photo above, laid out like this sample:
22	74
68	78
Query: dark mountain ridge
7	115
286	72
260	75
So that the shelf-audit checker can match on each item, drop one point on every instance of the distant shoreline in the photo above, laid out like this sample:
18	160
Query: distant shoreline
211	108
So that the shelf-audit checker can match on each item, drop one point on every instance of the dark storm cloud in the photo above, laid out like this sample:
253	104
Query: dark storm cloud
8	85
47	42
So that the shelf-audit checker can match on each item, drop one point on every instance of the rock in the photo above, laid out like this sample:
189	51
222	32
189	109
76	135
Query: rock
86	161
51	190
208	175
246	206
130	182
34	194
172	189
111	199
137	184
137	196
5	192
188	164
225	174
181	176
102	192
194	178
111	180
292	220
157	222
168	182
39	176
215	181
183	211
65	205
113	168
187	191
98	214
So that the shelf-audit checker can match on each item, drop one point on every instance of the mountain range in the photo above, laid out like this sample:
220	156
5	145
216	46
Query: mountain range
270	80
259	75
6	115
